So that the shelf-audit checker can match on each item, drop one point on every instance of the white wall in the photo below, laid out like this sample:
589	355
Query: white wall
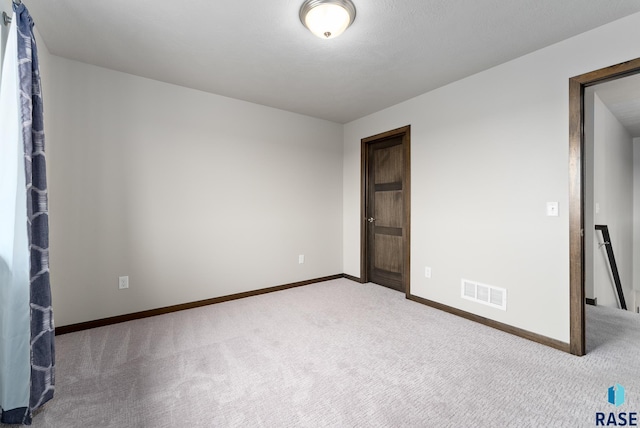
5	6
591	235
191	195
488	152
613	194
636	221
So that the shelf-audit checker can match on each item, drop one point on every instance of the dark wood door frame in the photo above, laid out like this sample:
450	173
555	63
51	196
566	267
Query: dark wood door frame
405	133
577	86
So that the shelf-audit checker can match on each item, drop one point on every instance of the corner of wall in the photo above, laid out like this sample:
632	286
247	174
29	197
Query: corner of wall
636	219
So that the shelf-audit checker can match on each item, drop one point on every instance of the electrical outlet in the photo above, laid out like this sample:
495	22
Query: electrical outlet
123	282
301	259
427	272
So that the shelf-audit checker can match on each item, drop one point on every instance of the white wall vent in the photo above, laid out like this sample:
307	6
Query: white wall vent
495	297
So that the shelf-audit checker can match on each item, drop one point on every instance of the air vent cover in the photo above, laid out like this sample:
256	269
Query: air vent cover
489	295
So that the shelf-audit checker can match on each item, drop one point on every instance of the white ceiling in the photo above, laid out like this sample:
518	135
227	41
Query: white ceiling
622	98
259	51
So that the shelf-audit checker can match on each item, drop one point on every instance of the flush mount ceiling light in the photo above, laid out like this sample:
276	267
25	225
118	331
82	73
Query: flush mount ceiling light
327	18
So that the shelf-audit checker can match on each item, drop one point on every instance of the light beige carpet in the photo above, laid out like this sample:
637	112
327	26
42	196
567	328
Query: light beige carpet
336	354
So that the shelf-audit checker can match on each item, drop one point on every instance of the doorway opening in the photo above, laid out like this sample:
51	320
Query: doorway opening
577	171
385	209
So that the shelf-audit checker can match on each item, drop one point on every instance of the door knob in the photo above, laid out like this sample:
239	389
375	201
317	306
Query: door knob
371	219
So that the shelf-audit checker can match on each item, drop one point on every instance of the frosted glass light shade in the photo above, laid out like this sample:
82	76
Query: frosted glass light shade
327	19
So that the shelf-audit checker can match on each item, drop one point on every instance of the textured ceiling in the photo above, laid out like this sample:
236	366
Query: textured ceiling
622	98
259	51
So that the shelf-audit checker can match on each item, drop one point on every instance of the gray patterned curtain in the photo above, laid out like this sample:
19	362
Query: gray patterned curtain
39	380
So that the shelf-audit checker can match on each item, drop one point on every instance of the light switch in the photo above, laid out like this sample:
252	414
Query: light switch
552	209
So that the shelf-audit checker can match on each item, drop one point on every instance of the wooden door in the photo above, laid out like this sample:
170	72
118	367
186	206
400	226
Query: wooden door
386	217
